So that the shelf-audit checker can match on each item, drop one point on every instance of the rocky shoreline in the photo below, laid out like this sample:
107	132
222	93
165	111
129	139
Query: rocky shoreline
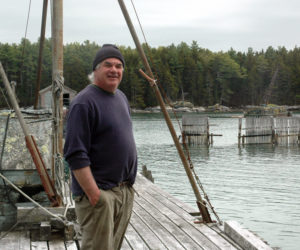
217	108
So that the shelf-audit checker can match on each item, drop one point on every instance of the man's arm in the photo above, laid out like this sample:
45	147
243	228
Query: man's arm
88	184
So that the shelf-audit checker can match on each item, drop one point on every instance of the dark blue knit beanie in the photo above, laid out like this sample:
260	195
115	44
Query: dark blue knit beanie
108	51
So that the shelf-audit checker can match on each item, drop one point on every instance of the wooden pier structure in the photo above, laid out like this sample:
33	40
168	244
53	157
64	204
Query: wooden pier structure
195	130
269	129
159	221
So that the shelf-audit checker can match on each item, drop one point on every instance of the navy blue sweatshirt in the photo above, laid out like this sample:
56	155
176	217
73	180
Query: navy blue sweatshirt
99	134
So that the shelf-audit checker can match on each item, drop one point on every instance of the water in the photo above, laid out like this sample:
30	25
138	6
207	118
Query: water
256	185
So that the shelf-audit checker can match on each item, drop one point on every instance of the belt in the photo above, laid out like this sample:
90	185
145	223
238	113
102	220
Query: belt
124	183
127	183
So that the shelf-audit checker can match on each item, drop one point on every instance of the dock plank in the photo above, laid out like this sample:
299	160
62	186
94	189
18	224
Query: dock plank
24	240
186	223
71	245
57	244
219	229
245	238
144	184
145	232
176	229
164	235
125	245
15	240
176	212
38	245
134	240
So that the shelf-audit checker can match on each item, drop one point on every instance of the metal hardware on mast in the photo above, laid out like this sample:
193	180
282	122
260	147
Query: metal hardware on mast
200	202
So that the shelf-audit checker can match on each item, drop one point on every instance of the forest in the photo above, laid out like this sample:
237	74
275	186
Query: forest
184	72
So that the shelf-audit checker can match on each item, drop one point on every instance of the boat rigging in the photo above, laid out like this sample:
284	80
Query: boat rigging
202	205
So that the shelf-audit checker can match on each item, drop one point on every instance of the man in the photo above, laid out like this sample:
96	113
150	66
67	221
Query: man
101	152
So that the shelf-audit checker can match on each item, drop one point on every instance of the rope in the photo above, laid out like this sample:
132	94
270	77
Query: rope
59	217
62	183
58	85
156	81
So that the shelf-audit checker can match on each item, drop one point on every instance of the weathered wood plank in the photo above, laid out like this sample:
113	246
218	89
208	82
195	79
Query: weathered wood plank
168	205
164	235
185	224
39	245
37	215
145	232
219	229
175	229
125	245
24	239
142	184
57	244
134	240
16	240
203	228
243	237
71	245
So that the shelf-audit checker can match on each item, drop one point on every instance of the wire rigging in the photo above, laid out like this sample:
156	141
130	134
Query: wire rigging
24	43
176	117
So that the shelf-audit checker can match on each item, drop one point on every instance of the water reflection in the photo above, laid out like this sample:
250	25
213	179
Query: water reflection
257	185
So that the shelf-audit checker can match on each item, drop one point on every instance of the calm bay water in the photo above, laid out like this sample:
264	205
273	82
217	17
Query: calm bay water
256	185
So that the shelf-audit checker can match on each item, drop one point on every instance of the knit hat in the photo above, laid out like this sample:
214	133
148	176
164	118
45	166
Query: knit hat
108	51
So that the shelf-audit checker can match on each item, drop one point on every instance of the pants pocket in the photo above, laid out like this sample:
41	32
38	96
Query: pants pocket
102	198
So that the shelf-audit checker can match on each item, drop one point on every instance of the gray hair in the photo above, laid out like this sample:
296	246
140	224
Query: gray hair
91	76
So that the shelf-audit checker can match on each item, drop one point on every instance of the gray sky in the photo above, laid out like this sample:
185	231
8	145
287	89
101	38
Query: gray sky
216	24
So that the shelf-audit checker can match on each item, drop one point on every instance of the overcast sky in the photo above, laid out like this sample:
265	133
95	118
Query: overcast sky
216	24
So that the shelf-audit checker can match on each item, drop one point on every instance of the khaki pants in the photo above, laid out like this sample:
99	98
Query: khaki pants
104	225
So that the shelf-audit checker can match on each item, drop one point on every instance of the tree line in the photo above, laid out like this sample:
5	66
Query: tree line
184	72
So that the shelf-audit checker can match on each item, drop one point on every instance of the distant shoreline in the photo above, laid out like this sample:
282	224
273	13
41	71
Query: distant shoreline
220	109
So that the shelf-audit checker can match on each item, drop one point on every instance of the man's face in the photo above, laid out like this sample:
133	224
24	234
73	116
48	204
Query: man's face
109	75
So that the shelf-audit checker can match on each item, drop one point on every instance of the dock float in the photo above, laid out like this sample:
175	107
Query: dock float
159	221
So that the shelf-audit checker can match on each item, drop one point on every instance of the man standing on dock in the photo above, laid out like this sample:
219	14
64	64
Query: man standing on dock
101	152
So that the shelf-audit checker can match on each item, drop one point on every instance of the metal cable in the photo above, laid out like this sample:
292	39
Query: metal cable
24	44
176	117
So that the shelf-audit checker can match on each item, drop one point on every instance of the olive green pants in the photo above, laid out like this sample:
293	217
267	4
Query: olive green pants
104	225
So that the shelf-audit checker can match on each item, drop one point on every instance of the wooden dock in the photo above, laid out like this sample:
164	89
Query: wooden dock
159	221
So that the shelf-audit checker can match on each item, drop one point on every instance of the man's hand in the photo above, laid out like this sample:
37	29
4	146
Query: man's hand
94	198
87	182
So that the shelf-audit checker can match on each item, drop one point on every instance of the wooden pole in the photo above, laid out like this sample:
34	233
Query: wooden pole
57	81
273	139
201	204
42	40
240	131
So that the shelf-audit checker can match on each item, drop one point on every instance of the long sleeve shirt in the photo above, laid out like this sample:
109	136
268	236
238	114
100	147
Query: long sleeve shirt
99	134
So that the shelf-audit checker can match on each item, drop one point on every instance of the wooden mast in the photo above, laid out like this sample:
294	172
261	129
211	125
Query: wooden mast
42	40
200	202
57	83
